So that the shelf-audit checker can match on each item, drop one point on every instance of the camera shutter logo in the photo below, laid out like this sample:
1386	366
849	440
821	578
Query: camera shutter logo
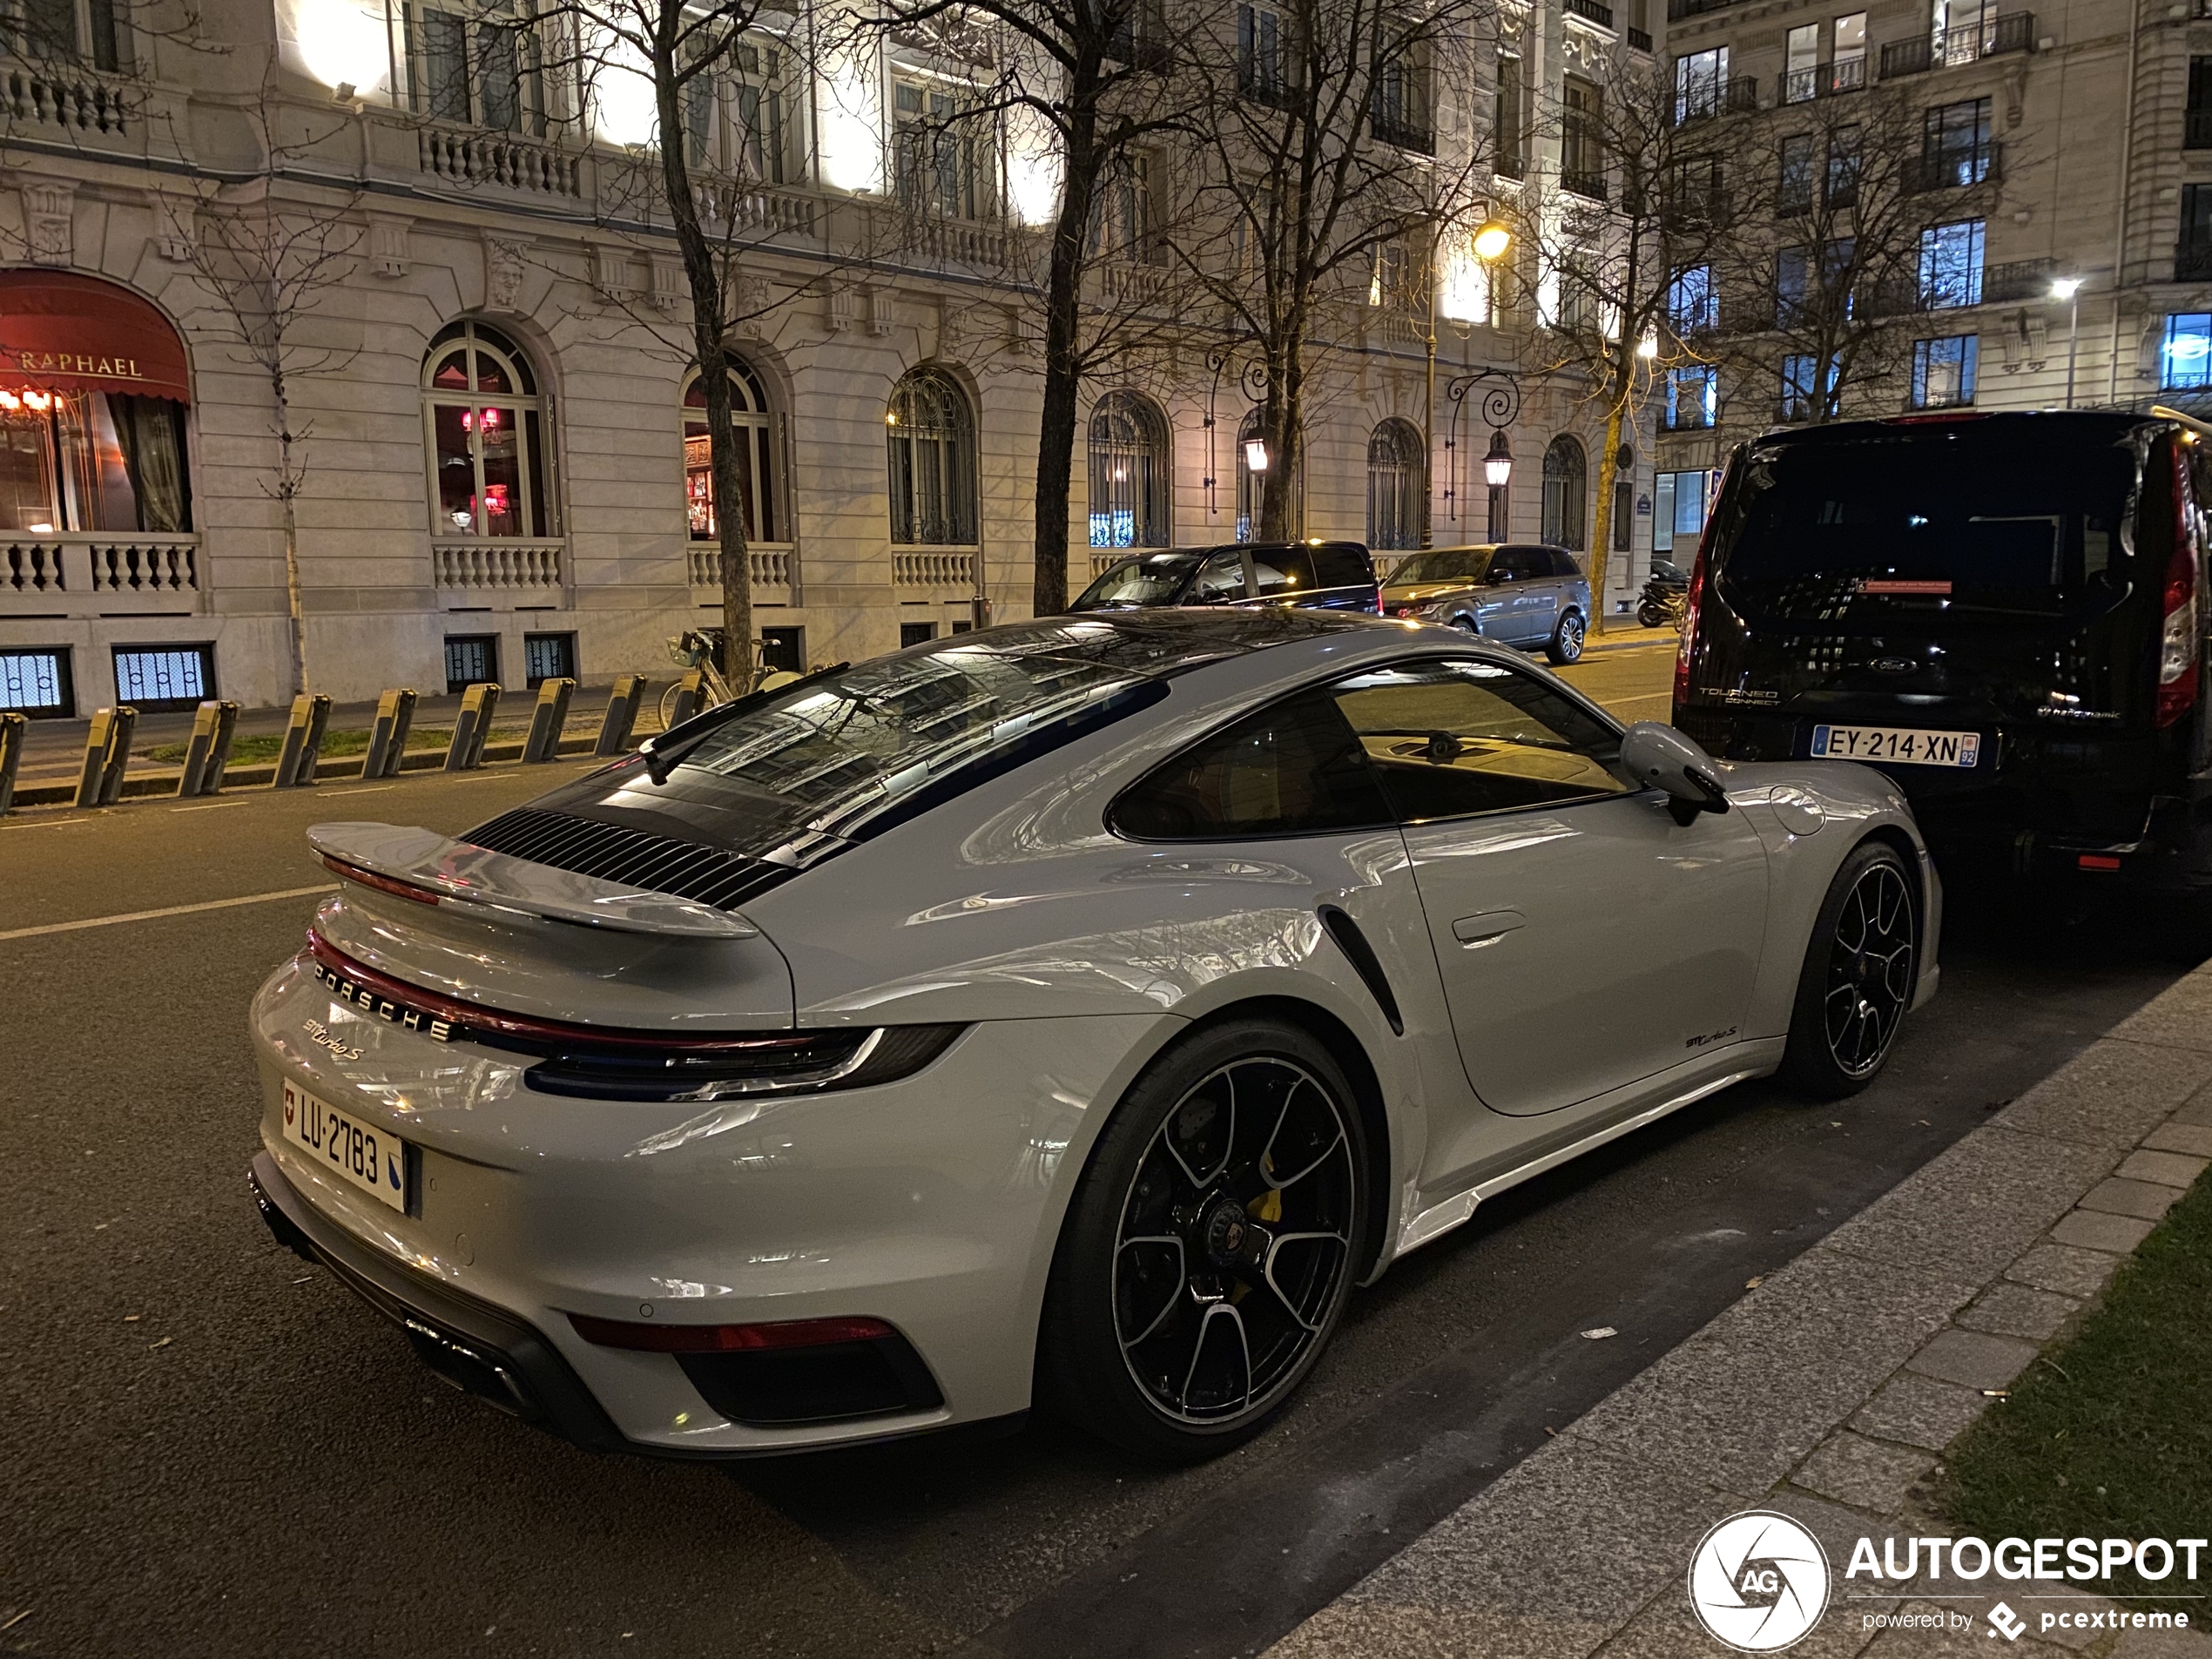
1758	1582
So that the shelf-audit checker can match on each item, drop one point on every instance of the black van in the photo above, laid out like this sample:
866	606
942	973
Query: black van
1326	576
2003	612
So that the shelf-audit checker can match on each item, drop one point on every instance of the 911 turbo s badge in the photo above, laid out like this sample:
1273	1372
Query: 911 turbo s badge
392	1013
322	1035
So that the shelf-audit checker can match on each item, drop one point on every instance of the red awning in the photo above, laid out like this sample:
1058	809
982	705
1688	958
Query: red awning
60	332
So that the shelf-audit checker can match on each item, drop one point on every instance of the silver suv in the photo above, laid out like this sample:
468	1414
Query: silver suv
1517	593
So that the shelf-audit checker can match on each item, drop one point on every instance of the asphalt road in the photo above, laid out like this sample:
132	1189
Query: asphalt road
210	1449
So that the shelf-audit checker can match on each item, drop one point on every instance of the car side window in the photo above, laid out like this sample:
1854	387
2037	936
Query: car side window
1337	564
1220	580
1510	564
1563	565
1454	738
1282	571
1293	769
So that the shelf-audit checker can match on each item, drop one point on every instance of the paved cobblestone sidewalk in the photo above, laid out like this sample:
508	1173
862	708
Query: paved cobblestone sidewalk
1828	1392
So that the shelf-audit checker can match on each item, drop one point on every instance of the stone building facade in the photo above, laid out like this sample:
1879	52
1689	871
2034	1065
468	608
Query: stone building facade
487	388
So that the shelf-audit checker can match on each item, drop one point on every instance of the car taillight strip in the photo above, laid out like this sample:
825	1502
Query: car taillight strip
392	885
2178	626
396	1000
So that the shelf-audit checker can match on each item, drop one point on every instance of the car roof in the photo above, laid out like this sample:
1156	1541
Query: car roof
2098	425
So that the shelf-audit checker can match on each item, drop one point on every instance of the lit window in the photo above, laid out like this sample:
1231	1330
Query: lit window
1397	486
1950	265
1693	397
931	433
487	438
2185	361
1942	371
758	475
164	677
1129	473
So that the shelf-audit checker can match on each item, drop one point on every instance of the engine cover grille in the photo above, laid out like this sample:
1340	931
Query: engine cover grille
637	858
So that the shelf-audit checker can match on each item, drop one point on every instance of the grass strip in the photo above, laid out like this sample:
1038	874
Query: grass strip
267	745
2109	1435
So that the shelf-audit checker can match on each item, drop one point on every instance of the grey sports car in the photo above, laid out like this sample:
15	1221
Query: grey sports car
1083	1005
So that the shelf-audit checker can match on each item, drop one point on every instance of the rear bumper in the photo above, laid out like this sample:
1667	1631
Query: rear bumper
480	1349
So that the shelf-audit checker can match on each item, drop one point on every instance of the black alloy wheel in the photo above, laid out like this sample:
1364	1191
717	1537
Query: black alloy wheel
1861	967
1211	1245
1566	640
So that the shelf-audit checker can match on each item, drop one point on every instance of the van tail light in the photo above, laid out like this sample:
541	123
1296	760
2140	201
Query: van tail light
2178	643
1692	603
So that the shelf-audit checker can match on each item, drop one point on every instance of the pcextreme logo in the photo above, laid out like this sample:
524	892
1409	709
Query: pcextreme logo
1758	1582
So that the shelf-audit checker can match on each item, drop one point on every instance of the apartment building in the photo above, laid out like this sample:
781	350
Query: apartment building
499	470
2064	177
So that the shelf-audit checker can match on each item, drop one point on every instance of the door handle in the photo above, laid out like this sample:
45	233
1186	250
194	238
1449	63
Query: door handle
1474	932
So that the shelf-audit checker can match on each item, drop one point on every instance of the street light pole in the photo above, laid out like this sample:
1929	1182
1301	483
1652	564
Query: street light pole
2069	289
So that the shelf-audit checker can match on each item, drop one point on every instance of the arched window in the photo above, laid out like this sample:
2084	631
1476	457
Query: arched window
933	461
1566	488
1252	481
486	428
1396	489
759	478
1129	473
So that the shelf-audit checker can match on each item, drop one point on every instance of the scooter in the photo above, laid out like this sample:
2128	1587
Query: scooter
1665	597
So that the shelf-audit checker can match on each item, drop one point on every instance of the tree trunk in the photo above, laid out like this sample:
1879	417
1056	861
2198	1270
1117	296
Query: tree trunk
704	276
1602	520
1280	426
288	490
1063	298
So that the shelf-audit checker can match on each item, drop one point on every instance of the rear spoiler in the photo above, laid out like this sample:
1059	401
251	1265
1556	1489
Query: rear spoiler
430	868
2194	423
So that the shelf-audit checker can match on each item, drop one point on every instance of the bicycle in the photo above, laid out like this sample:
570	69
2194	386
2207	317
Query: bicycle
701	649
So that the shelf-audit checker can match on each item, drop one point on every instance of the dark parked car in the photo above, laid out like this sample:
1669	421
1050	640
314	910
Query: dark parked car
1524	594
1326	576
2005	612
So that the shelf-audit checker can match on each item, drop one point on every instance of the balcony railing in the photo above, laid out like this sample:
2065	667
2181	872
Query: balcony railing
2192	261
494	567
61	99
1639	40
2197	132
2012	32
1957	168
1678	9
1823	80
97	572
770	564
1402	134
1705	206
933	567
1738	96
1847	74
1130	281
739	205
471	157
1594	10
1515	166
2020	279
1257	84
1579	182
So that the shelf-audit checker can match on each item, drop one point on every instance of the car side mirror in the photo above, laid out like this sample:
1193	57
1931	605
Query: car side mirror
1658	756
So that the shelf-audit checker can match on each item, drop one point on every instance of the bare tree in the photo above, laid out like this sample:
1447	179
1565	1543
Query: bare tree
1315	189
1647	197
263	251
1823	294
1084	84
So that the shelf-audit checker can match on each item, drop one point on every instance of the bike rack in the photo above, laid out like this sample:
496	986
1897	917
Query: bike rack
622	715
546	721
107	751
302	741
478	704
387	737
209	752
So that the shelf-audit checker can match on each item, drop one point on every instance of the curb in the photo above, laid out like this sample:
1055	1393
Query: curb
1828	1393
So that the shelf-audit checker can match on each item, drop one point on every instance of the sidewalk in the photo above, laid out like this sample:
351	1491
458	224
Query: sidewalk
1830	1393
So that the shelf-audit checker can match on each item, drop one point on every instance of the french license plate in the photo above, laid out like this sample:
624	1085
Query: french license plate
1896	745
372	1159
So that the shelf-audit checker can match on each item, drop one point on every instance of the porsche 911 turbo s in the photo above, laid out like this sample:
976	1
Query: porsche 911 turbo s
1079	1007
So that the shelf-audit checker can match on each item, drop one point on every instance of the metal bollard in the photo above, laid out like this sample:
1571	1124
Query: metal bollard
387	737
691	691
209	752
622	714
14	728
107	751
302	741
547	720
478	704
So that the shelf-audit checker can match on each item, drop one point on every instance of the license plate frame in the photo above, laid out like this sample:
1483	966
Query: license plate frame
343	1145
1896	746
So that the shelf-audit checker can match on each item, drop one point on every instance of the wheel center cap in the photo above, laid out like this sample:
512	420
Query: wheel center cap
1232	1236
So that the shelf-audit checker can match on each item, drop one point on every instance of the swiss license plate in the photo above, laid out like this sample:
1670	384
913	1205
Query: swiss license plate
372	1159
1896	746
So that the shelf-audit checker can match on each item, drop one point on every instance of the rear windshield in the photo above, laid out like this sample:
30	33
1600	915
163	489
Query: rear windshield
1945	520
1151	580
1442	564
835	750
